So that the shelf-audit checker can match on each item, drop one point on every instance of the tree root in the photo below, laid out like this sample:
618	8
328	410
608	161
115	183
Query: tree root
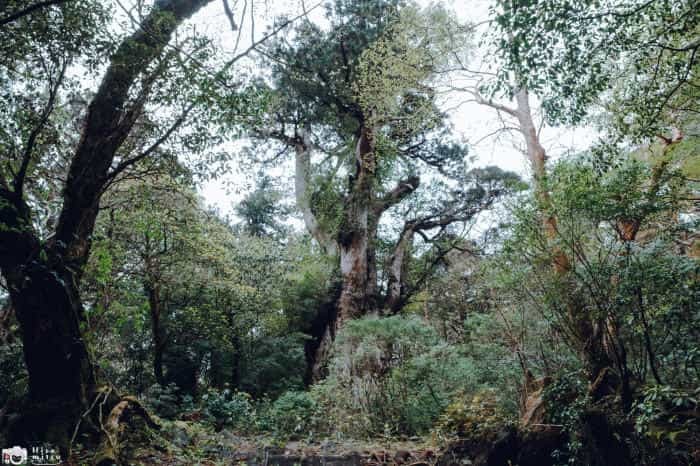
119	417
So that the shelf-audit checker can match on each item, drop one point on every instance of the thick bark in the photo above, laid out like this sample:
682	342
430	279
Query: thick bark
357	235
61	376
397	264
110	117
353	237
44	279
45	298
372	289
317	348
354	251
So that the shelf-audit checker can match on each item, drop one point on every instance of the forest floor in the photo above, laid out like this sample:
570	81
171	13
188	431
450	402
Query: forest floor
191	443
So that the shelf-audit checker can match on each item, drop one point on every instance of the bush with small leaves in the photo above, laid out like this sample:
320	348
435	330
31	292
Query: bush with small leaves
165	400
470	416
226	408
294	415
667	417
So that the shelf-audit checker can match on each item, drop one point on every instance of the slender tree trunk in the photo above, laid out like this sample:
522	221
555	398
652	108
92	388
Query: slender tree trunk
372	291
590	332
396	271
154	304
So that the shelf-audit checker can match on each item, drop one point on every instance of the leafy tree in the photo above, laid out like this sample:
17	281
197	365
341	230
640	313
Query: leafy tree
43	272
619	269
261	210
366	102
645	50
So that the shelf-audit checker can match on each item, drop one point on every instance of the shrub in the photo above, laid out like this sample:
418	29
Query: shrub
230	409
471	416
293	414
372	346
275	364
666	416
419	390
566	399
164	400
392	376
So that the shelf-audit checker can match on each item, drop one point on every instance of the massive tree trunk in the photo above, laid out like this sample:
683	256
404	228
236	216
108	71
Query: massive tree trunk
353	236
44	277
45	297
353	250
358	294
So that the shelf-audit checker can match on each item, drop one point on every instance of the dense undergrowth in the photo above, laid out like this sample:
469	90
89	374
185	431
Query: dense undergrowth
376	286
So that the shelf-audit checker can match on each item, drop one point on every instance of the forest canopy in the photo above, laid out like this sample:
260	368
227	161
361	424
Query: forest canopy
365	232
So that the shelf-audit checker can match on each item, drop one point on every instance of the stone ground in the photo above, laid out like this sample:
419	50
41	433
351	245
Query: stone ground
184	443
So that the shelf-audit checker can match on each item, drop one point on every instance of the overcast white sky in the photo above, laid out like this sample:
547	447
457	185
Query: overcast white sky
471	121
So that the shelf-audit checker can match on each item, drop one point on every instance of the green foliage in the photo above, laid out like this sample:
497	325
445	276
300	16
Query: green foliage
373	345
476	417
393	72
294	415
167	402
228	408
665	415
565	399
14	372
417	392
228	309
261	211
275	364
641	284
400	374
644	50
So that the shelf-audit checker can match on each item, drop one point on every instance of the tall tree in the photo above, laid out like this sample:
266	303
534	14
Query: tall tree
44	276
261	210
359	95
654	45
646	51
